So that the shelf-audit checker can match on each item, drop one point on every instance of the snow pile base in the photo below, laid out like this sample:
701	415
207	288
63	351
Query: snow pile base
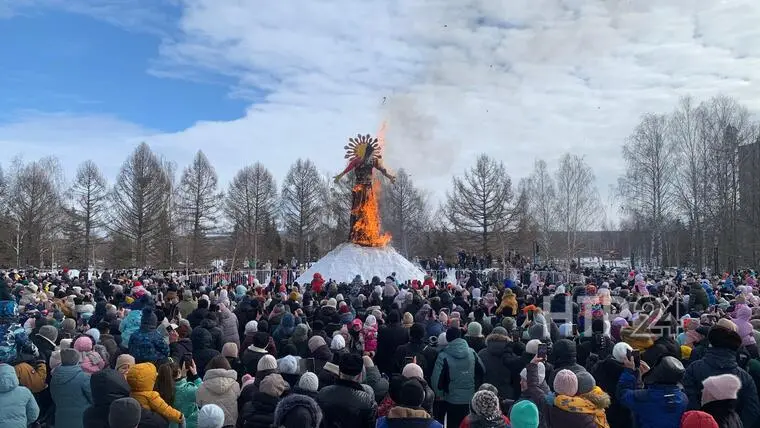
348	260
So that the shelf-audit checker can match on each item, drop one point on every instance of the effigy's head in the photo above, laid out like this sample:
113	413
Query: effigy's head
364	147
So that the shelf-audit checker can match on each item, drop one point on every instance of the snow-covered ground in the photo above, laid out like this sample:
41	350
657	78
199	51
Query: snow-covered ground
347	260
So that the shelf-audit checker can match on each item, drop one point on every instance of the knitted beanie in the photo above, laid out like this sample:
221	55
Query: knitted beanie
540	368
452	334
309	382
474	329
722	387
412	394
524	414
412	370
408	320
267	362
124	413
500	331
620	352
49	332
69	357
566	383
698	419
486	405
124	362
288	365
251	327
338	343
210	416
536	331
83	344
532	346
586	382
316	342
509	323
724	337
273	385
230	350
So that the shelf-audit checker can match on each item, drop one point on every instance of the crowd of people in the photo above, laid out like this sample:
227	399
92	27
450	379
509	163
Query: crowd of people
145	349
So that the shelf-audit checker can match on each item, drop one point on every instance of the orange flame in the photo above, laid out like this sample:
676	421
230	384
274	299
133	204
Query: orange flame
367	227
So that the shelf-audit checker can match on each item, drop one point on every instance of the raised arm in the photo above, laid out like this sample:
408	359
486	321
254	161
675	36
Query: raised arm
350	167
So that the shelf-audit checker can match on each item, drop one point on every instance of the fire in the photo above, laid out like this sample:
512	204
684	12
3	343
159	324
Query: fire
367	228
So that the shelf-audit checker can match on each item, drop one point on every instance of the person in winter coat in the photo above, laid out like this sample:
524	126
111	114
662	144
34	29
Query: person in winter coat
369	335
500	362
259	412
187	305
374	379
485	412
662	403
508	306
321	353
565	410
474	336
211	324
203	350
721	359
220	387
44	340
297	411
107	386
719	395
90	361
133	320
389	338
409	411
255	352
534	388
19	408
599	344
177	385
70	389
698	301
142	378
347	403
457	371
607	374
199	314
563	357
741	318
282	333
229	325
147	344
698	419
182	349
300	339
423	354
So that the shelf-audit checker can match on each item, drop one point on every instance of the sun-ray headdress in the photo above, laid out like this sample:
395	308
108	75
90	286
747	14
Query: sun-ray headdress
357	147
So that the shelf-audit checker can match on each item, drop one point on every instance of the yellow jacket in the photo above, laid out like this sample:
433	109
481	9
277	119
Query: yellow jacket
141	379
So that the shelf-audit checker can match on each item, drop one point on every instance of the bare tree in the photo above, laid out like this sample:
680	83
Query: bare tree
36	190
479	205
198	206
542	204
304	194
577	200
251	199
89	191
139	203
404	211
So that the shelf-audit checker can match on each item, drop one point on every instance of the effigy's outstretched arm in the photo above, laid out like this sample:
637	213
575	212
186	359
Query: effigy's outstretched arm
380	167
350	167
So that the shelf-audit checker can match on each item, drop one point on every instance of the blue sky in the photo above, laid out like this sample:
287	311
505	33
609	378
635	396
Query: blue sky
57	61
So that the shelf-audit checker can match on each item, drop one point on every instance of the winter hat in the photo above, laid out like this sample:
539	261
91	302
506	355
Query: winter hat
49	332
443	318
230	350
68	325
442	342
316	342
408	320
486	405
474	329
83	344
536	331
246	380
332	303
351	365
532	346
124	413
620	352
124	362
260	340
566	330
727	324
368	361
722	387
417	331
540	368
288	365
509	323
210	416
566	383
722	337
698	419
338	343
149	319
69	357
452	334
267	362
93	333
309	382
412	370
524	414
500	331
273	385
297	411
586	382
412	394
251	327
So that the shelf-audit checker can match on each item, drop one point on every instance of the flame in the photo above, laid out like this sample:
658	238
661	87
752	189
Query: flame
367	227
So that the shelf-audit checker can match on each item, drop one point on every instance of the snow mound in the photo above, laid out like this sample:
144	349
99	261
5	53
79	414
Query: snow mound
348	260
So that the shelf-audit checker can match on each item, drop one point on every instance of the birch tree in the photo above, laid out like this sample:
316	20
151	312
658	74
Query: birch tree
578	207
303	198
198	206
89	192
251	201
542	204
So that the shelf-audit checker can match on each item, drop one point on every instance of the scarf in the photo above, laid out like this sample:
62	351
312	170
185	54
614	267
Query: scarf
582	405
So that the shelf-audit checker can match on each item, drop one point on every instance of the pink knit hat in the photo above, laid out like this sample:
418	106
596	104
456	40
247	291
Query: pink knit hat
718	388
83	344
566	383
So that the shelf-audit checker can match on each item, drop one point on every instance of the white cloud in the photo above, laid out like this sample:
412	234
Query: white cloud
519	79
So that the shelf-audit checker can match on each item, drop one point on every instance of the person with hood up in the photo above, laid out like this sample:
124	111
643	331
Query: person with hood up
485	412
300	339
187	305
563	356
508	306
70	389
409	411
457	371
721	358
19	406
698	419
719	394
259	412
90	361
710	292
203	350
369	335
282	333
220	387
474	336
297	411
228	322
741	318
662	403
142	379
607	374
698	300
132	322
108	386
347	403
500	361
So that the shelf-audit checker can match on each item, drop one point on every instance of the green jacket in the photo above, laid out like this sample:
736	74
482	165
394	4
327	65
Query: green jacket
457	373
184	401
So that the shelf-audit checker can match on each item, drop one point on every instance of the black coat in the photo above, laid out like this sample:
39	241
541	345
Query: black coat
196	317
500	363
346	404
607	375
389	338
107	386
181	350
202	349
259	412
250	360
724	413
563	357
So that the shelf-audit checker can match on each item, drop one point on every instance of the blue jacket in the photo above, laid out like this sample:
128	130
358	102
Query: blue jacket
401	417
709	291
18	406
658	406
70	388
455	372
184	401
148	346
130	325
